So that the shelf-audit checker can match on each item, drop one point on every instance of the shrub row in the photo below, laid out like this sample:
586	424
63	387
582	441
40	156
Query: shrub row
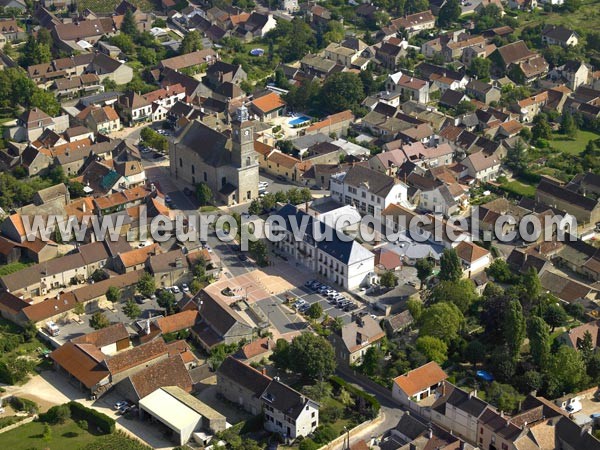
359	394
93	417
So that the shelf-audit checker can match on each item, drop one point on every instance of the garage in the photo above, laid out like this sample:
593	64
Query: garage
180	412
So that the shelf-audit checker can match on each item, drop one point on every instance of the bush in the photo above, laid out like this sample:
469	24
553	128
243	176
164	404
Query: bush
308	444
324	434
93	417
23	404
56	414
359	395
9	420
83	424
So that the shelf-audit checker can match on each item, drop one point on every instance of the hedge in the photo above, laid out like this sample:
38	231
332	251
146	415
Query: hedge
353	390
93	417
23	404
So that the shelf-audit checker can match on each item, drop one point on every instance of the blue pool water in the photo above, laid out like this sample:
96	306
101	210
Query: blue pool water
299	120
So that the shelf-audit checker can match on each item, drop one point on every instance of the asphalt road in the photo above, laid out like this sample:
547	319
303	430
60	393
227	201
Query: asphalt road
281	317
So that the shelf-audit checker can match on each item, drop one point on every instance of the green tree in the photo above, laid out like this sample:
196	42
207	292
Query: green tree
586	347
281	354
76	189
313	356
255	207
450	267
372	360
128	26
368	81
258	250
9	50
147	56
424	268
555	316
461	292
449	13
113	294
79	309
480	68
568	125
35	52
47	433
464	107
29	331
124	42
433	348
191	42
341	91
131	309
541	129
388	279
315	311
335	32
166	300
514	327
146	285
98	321
442	320
503	396
564	372
500	271
475	352
46	101
204	194
539	340
57	414
415	307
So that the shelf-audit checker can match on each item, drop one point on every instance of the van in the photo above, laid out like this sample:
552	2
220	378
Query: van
574	406
52	329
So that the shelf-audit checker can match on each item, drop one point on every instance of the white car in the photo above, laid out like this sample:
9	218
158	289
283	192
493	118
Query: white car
175	290
263	184
185	287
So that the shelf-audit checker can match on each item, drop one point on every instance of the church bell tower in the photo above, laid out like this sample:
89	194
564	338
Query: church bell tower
242	150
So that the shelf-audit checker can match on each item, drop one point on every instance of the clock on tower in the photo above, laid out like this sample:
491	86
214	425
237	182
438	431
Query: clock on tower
242	149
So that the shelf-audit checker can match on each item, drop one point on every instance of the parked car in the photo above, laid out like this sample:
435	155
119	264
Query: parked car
304	308
242	257
185	287
120	404
175	290
168	199
187	191
350	307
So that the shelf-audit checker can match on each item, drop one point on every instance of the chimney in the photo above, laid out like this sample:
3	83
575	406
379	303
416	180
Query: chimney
263	371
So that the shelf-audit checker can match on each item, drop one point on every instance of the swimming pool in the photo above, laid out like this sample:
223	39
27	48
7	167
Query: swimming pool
299	120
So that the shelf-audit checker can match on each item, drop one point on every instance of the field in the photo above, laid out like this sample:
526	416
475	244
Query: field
110	5
573	146
586	18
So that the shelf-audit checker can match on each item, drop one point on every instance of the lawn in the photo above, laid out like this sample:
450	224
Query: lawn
110	5
28	436
518	188
587	17
573	146
13	267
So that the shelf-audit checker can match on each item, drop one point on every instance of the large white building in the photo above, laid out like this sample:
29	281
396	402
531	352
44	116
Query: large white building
367	189
319	247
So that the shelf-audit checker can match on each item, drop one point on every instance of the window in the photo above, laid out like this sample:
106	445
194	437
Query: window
205	176
193	169
180	162
504	447
248	195
312	415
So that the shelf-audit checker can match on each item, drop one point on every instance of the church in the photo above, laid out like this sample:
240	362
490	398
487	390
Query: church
228	165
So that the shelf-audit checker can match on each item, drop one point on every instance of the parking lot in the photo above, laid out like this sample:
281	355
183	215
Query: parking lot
286	320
